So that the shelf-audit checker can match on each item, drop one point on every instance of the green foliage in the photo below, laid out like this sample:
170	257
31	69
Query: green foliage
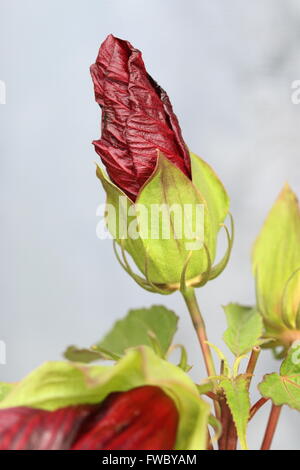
58	384
134	329
237	397
245	327
276	265
284	388
154	327
205	387
183	362
87	355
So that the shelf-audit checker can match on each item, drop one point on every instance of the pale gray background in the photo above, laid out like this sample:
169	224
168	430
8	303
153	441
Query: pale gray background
228	68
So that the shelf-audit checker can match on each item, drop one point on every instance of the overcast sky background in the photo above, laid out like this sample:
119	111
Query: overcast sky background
228	69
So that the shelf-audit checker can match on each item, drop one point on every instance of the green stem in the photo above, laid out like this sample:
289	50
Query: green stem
199	325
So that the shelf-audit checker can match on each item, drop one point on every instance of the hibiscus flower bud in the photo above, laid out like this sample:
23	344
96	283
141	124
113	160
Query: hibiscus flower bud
143	418
276	267
165	205
137	118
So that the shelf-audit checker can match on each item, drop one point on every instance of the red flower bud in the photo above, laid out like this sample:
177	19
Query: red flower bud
137	118
143	418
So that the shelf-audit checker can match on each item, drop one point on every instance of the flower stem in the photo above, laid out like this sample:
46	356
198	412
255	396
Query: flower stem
271	427
199	325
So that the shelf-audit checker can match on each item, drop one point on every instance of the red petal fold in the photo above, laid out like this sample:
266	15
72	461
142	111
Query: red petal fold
142	418
32	429
137	118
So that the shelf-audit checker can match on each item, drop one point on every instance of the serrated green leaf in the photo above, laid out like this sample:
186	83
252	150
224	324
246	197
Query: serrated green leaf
237	397
58	384
154	326
284	388
245	327
276	263
133	330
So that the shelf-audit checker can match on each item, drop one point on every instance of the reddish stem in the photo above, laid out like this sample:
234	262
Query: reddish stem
231	436
257	406
212	395
228	439
271	427
225	418
252	362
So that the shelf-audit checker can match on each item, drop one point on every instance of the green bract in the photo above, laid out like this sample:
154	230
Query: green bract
58	384
171	230
276	266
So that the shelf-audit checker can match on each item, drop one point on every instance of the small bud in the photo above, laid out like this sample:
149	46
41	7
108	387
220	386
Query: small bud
169	202
276	267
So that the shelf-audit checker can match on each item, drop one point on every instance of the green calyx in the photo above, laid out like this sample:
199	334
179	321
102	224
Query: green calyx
171	230
276	267
58	384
